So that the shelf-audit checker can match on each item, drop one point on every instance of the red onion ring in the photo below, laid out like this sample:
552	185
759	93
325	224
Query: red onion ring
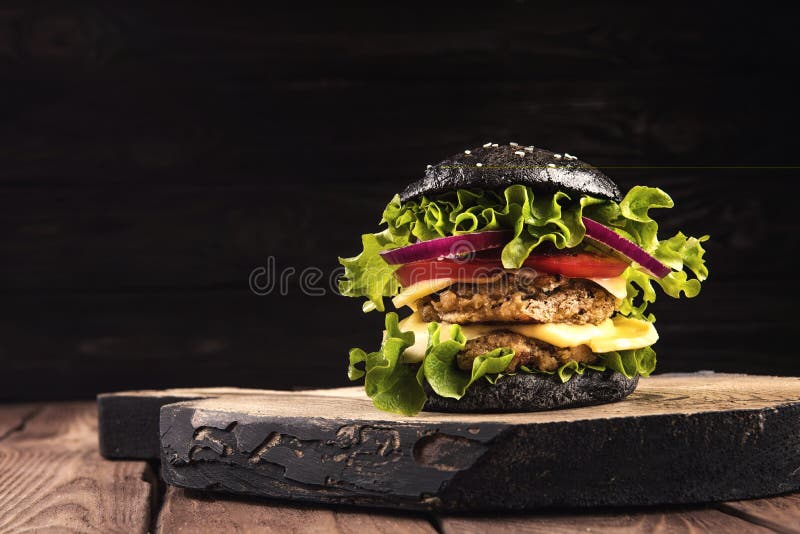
454	246
605	236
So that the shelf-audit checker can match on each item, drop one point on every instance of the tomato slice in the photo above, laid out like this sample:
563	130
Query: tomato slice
572	265
580	265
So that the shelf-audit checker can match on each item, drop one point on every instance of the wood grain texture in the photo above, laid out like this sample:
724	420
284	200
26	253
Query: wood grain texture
70	426
71	491
781	513
585	77
688	521
189	512
14	417
677	439
53	479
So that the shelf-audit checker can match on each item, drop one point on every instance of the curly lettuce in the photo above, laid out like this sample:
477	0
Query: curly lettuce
439	365
392	385
535	219
398	387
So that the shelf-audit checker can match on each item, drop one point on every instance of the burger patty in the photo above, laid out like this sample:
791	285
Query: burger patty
521	298
529	352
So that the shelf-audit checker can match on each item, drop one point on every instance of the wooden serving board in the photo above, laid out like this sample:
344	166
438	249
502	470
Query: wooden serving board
677	439
128	420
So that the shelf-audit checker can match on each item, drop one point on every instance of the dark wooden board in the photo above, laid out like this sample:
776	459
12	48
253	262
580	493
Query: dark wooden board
128	421
677	439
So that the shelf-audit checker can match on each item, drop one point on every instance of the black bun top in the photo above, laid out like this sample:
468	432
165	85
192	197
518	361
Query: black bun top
494	166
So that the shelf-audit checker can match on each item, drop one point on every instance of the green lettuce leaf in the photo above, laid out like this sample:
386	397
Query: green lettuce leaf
441	371
395	386
367	275
392	385
553	218
568	370
631	363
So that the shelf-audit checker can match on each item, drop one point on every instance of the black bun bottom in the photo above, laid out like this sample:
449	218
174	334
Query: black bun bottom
525	392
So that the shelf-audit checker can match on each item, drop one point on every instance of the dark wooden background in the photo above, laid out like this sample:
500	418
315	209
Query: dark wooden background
152	156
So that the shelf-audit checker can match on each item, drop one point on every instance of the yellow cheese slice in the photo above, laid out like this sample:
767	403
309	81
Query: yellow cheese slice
619	333
616	286
566	335
628	334
409	295
414	322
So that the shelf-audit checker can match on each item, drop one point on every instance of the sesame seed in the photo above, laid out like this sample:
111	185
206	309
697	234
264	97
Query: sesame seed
512	143
495	145
519	153
428	166
468	152
569	156
557	156
551	165
487	145
479	164
529	148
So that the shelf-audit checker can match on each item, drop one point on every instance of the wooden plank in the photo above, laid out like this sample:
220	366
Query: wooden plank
128	421
44	488
70	426
677	439
189	512
230	219
223	335
781	513
653	522
13	418
594	40
555	111
51	477
154	55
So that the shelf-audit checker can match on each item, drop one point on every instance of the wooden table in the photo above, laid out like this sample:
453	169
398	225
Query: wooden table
53	479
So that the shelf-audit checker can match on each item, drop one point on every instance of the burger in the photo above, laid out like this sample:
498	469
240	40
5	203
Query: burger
523	277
